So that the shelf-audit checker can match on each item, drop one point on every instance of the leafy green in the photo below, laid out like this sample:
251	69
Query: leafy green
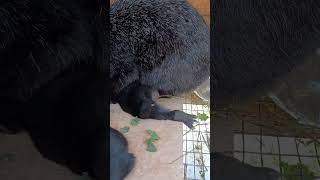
202	116
292	172
148	141
135	121
124	129
153	137
151	147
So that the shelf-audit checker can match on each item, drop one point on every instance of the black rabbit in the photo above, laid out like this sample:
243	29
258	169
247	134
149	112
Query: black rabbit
51	86
256	44
54	82
157	47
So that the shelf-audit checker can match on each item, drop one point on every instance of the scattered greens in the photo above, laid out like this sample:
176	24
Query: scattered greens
202	116
151	147
124	129
135	121
293	172
153	137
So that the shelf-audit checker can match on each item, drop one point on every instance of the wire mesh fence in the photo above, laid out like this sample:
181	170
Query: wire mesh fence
196	142
265	136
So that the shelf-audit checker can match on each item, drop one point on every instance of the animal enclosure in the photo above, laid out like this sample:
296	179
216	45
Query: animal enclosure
263	135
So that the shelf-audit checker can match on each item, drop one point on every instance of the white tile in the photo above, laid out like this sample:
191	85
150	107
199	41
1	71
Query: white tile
198	175
305	161
290	159
205	148
238	156
188	111
184	106
204	127
190	157
194	112
194	107
287	145
304	148
190	172
271	161
237	142
252	143
189	135
270	144
200	107
196	135
184	128
207	175
312	164
190	146
253	159
206	158
199	158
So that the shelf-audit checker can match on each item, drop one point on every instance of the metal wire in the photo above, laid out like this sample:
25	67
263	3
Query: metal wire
196	158
263	125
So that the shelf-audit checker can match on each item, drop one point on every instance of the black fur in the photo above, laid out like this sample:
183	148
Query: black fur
156	46
68	124
50	70
51	82
140	100
42	32
121	162
229	168
255	43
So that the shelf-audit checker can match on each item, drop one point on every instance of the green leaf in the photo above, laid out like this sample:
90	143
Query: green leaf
292	172
153	135
202	116
135	121
148	141
151	147
124	129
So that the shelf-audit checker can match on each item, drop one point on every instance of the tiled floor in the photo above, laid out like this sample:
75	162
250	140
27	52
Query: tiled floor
196	146
269	151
